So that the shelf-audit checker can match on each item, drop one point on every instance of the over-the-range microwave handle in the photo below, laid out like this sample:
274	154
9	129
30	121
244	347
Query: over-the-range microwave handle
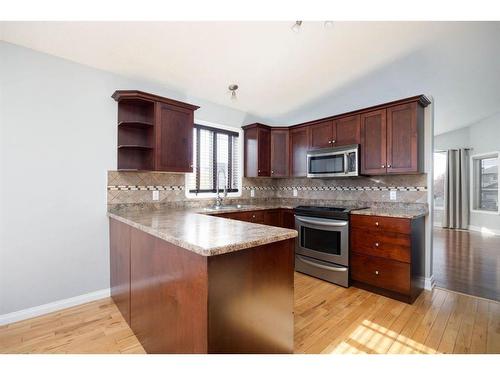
329	268
327	223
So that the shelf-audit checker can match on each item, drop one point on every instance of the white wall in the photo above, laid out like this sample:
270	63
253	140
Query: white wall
57	140
482	137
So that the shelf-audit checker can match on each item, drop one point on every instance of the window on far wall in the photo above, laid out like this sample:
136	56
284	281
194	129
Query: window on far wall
485	182
216	155
439	176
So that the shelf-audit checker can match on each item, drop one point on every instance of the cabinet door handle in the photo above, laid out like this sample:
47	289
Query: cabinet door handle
376	272
383	166
272	172
334	141
330	142
376	244
376	223
253	216
258	170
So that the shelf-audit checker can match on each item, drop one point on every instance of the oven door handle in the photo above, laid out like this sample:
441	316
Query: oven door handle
327	223
329	268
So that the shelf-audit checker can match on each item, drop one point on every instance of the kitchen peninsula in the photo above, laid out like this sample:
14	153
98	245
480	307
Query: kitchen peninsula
187	282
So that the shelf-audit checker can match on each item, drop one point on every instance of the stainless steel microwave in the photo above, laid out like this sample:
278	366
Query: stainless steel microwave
333	162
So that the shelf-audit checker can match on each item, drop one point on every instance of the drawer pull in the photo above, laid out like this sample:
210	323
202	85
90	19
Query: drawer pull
376	244
253	216
376	223
376	272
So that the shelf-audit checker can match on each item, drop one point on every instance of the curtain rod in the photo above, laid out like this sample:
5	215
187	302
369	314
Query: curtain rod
455	149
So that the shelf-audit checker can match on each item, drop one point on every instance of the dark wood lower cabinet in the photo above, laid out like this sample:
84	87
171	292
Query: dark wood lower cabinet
182	302
387	255
119	261
250	300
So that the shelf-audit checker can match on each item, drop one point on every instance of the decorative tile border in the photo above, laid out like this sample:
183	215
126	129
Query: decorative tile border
145	188
273	188
338	188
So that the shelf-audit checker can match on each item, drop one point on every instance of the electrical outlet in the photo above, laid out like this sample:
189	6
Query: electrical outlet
252	193
295	193
392	195
156	195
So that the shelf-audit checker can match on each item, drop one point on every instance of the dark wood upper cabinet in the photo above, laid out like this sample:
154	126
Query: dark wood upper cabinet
299	144
347	131
154	133
257	150
391	138
405	124
373	142
280	148
174	139
322	135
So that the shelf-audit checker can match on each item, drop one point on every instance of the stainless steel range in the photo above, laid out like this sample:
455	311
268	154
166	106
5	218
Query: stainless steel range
322	247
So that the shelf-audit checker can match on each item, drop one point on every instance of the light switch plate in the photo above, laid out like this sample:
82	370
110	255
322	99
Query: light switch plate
392	195
156	195
252	193
295	193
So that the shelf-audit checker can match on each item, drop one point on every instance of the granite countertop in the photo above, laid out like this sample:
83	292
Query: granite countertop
197	231
391	212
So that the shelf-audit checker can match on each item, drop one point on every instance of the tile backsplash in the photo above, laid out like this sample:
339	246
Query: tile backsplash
137	187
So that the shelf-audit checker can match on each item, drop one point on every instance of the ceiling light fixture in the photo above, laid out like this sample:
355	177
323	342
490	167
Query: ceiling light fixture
232	88
296	26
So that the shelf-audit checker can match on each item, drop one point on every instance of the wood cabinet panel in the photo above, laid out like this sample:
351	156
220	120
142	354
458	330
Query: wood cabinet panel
381	224
250	304
251	152
373	142
347	131
299	144
402	139
174	139
288	218
168	296
119	259
264	156
273	218
280	148
388	245
321	135
383	273
257	151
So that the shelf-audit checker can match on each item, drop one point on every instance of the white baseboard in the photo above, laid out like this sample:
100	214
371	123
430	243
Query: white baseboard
484	230
429	283
53	306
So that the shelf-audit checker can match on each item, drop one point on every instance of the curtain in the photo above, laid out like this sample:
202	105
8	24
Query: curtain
456	190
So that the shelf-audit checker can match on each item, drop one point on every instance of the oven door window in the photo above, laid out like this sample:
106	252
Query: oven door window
326	164
327	242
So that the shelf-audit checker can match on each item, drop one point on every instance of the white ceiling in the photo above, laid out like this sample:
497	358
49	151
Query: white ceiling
288	77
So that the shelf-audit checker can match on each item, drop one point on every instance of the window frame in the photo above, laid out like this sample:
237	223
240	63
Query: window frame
438	208
205	195
474	159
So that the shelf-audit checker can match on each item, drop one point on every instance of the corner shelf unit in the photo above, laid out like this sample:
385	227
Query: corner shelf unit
154	133
135	134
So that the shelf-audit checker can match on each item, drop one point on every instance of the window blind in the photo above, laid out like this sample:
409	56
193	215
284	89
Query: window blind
214	150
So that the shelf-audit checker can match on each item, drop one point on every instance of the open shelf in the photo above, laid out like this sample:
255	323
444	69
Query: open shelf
135	147
135	124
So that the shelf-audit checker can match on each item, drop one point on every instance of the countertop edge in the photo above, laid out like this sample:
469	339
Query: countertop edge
200	250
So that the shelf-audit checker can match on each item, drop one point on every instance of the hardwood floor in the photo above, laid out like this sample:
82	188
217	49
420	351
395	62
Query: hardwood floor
467	262
328	319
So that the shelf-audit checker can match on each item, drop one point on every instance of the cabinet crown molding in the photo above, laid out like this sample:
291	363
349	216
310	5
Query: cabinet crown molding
119	95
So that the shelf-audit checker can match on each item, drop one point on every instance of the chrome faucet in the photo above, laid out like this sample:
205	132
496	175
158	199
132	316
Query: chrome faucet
218	199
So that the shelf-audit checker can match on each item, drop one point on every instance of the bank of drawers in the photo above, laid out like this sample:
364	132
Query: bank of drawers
381	252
